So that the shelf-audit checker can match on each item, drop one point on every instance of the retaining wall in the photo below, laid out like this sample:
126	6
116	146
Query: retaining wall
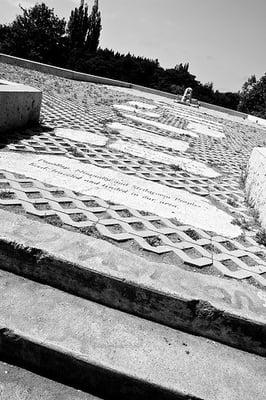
79	76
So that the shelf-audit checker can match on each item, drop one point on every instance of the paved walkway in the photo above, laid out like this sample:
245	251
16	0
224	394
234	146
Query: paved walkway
88	106
102	294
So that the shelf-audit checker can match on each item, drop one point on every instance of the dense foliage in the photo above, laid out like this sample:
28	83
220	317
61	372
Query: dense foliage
253	97
38	34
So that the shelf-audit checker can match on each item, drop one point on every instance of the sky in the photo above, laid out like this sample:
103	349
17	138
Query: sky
223	40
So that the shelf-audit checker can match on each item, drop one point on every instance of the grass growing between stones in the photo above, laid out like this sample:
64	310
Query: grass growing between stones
6	195
260	237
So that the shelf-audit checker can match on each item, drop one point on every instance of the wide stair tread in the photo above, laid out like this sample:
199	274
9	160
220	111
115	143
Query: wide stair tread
116	355
19	384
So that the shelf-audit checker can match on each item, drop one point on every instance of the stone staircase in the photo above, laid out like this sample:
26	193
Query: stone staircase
117	347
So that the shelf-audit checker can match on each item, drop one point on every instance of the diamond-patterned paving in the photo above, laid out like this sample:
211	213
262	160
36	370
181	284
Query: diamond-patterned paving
86	106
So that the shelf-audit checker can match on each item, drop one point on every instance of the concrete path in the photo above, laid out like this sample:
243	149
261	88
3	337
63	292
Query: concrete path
119	355
228	311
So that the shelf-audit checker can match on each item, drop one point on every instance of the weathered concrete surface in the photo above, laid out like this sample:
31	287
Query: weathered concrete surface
118	355
256	182
223	310
19	384
20	105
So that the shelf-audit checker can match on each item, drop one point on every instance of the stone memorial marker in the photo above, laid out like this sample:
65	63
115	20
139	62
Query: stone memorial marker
187	96
81	136
140	134
120	188
136	110
205	130
159	125
186	164
142	105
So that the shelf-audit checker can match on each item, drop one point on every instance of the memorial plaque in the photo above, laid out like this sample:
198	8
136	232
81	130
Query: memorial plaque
120	188
186	164
157	140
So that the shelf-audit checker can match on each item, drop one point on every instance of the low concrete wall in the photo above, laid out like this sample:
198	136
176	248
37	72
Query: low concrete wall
63	73
257	120
19	106
79	76
155	91
223	110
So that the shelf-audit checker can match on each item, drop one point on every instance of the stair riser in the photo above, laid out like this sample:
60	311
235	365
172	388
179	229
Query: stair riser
68	369
192	316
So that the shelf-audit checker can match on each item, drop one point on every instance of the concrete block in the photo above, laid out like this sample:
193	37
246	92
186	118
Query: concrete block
256	182
20	106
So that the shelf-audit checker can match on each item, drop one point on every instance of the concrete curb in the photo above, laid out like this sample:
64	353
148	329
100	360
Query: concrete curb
115	355
223	310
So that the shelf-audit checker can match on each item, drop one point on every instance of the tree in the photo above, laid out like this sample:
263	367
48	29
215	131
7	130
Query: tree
78	26
84	30
37	34
253	97
6	42
94	31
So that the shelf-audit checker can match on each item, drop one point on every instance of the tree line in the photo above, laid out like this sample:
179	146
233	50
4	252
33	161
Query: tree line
40	35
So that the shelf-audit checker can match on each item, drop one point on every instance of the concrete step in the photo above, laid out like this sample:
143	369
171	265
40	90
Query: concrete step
19	384
116	355
228	311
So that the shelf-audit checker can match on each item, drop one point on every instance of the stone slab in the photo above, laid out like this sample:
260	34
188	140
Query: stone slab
228	311
81	136
20	106
115	186
116	354
256	182
205	130
142	105
148	137
186	164
161	126
20	384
